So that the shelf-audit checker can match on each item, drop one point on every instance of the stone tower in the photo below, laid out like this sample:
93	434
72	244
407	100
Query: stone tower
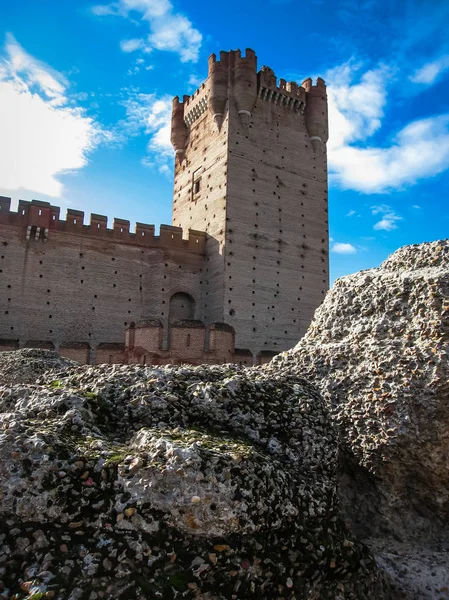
251	172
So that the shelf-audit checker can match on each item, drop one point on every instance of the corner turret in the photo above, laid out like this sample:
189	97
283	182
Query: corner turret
245	82
218	86
178	128
316	112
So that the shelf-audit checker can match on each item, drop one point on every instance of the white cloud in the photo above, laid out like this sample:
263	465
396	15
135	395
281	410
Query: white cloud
195	81
343	248
421	149
428	73
351	213
151	114
138	66
46	135
355	109
132	45
31	73
388	220
169	30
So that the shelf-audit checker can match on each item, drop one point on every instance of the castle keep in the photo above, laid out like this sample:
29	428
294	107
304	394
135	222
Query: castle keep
239	273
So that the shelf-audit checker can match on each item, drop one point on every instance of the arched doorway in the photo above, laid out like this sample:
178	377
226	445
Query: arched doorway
182	307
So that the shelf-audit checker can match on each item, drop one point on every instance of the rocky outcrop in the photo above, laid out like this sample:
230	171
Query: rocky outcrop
378	351
200	482
29	364
221	482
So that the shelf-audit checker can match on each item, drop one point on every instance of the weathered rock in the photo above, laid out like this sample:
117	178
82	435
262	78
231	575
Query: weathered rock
378	351
28	364
205	482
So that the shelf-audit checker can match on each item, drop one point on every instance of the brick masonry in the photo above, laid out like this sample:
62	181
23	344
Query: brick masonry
248	247
251	172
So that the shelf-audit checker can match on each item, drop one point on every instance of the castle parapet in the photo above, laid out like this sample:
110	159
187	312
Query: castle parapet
235	76
41	219
74	219
98	222
5	205
287	94
121	227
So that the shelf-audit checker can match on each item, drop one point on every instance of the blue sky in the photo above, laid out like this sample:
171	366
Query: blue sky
86	88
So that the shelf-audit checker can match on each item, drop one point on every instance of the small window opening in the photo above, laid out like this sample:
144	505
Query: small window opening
188	340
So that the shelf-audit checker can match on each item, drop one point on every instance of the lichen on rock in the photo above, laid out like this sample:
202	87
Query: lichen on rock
208	482
378	350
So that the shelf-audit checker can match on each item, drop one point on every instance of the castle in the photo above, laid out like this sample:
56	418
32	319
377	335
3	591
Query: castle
238	274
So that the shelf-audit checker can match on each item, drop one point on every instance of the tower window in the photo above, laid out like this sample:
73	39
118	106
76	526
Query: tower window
196	183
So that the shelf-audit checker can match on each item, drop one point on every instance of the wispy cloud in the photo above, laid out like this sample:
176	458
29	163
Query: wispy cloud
351	213
168	29
150	114
195	81
133	45
343	248
388	218
32	74
37	109
431	71
356	110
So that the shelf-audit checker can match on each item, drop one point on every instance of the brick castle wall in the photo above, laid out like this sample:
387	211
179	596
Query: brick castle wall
190	342
251	171
86	284
250	197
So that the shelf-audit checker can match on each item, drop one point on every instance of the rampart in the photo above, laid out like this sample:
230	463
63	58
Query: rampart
76	287
41	219
249	249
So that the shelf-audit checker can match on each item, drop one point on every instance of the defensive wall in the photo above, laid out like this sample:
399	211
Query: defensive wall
248	247
67	284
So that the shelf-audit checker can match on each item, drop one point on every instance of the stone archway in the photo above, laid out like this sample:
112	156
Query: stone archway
182	307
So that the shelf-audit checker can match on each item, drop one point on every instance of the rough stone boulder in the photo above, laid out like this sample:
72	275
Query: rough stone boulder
28	364
199	482
378	351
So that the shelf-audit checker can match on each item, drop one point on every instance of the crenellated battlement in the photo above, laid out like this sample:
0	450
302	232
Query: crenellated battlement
234	77
286	93
232	59
40	219
195	105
